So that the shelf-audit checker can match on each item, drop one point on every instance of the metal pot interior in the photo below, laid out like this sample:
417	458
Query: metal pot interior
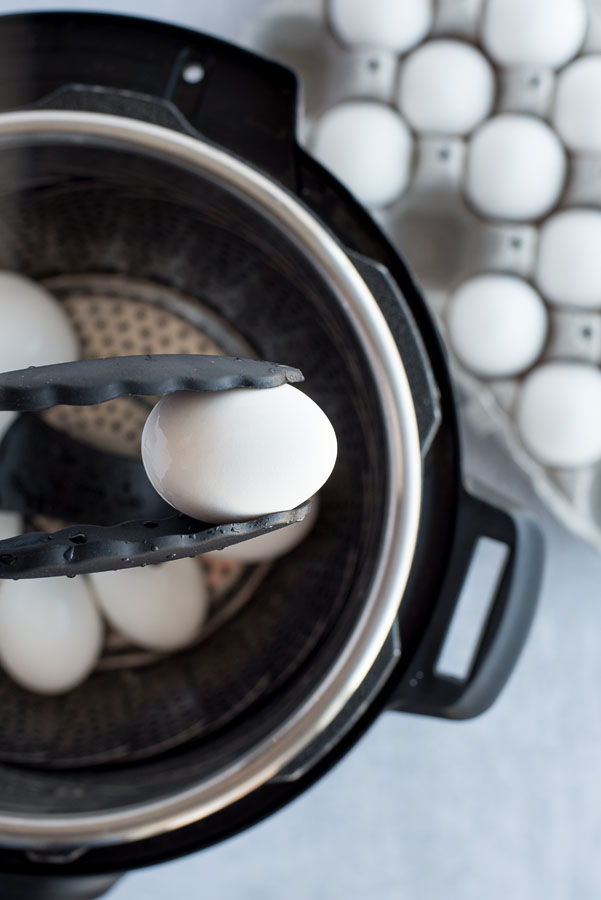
127	736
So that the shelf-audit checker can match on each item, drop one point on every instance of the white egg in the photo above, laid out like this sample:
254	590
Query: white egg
559	414
533	32
446	87
11	524
224	456
36	330
577	108
50	633
395	24
160	607
273	545
368	147
515	168
568	269
497	325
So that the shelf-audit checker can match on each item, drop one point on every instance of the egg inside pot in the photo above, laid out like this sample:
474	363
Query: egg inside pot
238	454
149	256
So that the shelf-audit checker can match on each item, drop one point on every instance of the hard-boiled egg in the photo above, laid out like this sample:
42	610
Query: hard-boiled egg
270	546
368	147
36	330
395	24
533	32
50	633
568	269
446	87
515	168
558	414
577	109
160	607
225	456
497	325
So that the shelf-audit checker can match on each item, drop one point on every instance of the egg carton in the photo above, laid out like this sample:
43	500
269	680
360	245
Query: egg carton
436	229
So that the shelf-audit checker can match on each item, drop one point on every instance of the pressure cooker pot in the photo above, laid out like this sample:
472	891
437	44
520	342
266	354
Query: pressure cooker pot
151	179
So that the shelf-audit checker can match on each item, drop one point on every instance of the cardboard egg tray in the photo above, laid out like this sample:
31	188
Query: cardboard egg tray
437	233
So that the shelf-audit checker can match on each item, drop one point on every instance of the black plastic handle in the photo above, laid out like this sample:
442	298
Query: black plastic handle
423	690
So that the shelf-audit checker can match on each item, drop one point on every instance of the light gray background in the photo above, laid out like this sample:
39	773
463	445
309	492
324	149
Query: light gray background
506	806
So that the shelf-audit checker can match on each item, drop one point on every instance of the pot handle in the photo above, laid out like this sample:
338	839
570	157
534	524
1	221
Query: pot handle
242	101
427	691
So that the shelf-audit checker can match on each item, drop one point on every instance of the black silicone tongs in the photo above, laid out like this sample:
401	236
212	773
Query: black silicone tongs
45	472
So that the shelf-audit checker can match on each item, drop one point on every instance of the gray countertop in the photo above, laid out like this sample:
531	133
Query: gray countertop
508	805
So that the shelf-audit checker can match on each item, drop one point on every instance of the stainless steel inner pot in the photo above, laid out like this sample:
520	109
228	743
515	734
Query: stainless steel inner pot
132	754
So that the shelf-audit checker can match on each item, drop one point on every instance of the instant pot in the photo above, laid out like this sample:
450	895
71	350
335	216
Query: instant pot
146	161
